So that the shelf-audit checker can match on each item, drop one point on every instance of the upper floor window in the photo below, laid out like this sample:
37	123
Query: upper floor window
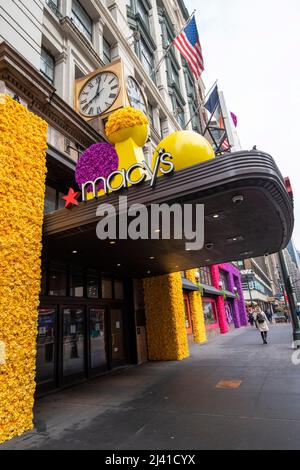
224	279
82	20
54	5
205	276
47	65
178	112
150	114
53	200
147	58
143	11
106	52
174	75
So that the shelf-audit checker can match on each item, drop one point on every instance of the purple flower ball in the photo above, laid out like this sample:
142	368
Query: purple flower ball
98	160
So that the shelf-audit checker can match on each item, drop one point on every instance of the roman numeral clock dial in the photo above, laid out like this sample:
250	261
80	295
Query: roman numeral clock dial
99	94
135	95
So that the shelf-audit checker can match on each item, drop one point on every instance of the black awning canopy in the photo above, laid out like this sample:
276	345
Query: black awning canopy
245	189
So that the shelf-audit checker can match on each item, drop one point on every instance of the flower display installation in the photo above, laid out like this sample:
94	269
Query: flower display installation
165	318
100	159
23	143
195	298
125	118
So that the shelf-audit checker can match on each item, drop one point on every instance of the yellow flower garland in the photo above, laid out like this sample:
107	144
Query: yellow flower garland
165	317
199	329
23	142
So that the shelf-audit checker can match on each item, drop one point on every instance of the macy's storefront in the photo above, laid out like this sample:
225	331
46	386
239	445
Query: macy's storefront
100	299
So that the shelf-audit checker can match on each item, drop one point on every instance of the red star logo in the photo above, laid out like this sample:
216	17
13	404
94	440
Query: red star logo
71	198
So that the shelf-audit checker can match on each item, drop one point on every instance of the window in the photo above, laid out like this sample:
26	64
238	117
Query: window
53	200
210	314
194	116
174	75
92	286
47	65
205	276
178	112
224	279
57	282
76	283
82	20
143	12
54	5
106	52
106	288
147	58
50	200
150	113
119	290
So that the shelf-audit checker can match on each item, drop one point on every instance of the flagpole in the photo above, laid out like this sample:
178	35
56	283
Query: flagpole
202	103
156	69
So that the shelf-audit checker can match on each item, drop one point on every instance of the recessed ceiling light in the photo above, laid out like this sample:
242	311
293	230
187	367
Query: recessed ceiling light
112	243
118	265
235	239
207	261
148	272
74	252
152	257
216	216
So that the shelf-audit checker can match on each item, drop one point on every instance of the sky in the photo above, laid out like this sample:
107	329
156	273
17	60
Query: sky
253	49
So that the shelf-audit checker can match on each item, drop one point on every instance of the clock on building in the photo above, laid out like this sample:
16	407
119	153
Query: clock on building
135	95
98	94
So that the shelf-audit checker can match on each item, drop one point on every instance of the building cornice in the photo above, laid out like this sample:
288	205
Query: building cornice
30	85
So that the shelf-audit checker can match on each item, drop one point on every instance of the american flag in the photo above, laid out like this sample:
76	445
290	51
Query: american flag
188	44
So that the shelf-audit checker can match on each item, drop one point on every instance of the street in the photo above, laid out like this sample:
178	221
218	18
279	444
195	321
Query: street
178	405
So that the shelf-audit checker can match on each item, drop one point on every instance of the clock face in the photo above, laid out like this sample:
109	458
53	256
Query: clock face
135	95
99	94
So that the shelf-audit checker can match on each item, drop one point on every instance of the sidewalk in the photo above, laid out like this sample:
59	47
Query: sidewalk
177	405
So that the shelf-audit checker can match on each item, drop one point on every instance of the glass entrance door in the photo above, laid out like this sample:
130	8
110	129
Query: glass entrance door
117	338
46	348
98	357
74	343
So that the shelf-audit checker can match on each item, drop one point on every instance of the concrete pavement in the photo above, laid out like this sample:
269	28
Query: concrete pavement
177	405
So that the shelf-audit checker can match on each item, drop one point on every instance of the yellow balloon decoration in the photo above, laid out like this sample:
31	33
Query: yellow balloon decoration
187	148
128	130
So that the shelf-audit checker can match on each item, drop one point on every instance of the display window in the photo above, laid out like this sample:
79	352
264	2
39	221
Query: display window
210	314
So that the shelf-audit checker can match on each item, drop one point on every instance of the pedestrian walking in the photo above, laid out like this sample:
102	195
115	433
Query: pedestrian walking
251	316
262	323
287	315
270	315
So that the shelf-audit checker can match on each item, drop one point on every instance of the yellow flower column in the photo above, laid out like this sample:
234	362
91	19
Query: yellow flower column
199	329
23	142
165	317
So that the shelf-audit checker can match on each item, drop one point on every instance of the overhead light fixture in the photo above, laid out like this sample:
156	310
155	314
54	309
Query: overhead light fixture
118	265
239	238
215	216
148	272
157	231
112	243
152	257
74	252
